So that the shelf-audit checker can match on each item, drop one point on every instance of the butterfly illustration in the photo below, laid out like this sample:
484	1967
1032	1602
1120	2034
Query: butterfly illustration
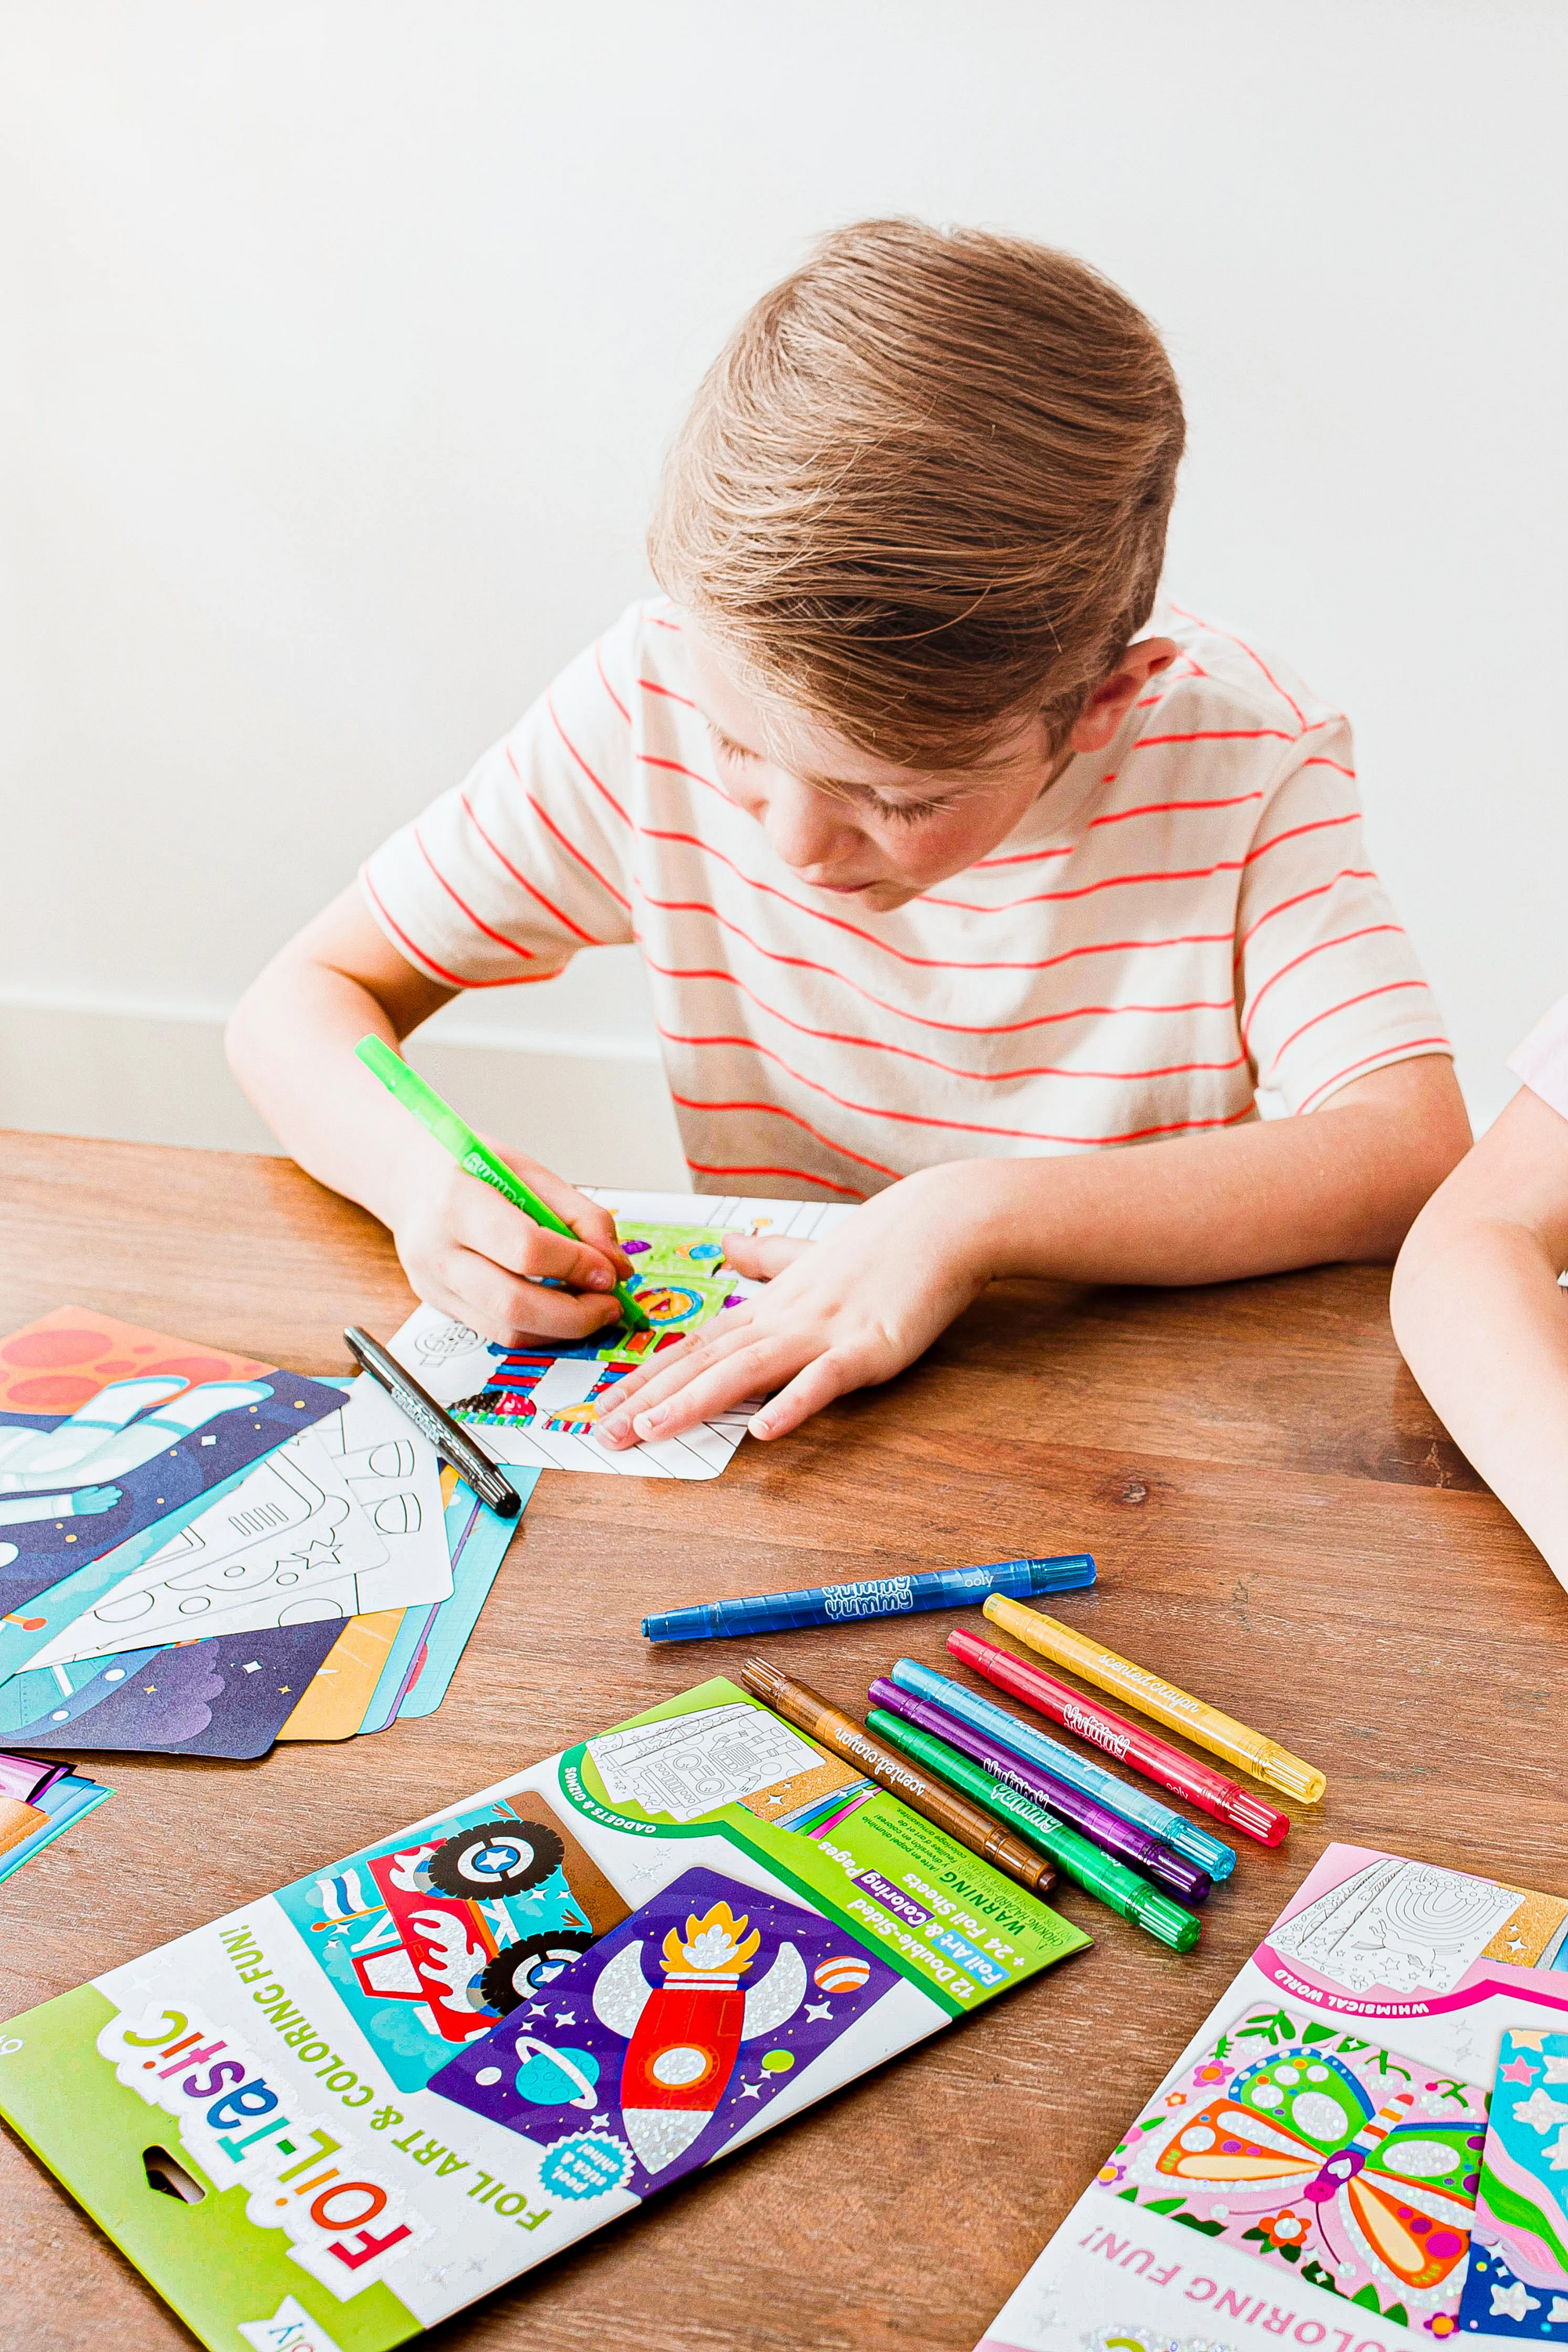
1378	2184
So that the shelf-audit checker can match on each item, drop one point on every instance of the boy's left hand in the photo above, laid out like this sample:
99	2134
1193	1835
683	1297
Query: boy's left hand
837	1315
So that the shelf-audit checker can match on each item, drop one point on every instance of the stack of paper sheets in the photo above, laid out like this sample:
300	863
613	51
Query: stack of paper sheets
202	1554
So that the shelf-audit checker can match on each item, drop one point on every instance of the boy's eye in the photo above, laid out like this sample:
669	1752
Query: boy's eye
730	750
909	812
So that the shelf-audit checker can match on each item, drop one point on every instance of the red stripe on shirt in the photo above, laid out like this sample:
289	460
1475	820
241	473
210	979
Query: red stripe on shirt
1108	882
1318	890
478	921
1387	988
708	1167
1322	759
1025	857
599	786
1251	656
652	686
549	904
1132	1134
1159	808
1321	948
609	689
1215	735
981	1077
776	1110
1403	1052
955	1028
543	814
1294	832
646	759
655	621
923	963
416	954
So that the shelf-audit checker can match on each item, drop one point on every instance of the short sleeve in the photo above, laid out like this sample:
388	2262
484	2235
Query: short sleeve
1328	985
1542	1060
504	878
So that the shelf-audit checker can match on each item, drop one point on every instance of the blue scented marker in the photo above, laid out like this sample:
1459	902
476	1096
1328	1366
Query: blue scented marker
877	1596
1077	1771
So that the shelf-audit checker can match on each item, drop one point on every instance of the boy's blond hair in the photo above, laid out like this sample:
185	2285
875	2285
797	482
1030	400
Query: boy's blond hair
923	490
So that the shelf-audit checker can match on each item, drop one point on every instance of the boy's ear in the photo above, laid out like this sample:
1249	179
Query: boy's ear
1112	700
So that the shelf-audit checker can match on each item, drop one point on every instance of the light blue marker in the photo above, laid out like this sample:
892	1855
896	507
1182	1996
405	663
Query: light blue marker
1132	1804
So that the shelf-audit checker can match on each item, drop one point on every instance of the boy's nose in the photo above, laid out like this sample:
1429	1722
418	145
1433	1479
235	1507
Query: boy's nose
807	828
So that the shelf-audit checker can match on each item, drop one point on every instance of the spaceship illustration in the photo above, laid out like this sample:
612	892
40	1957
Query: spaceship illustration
685	2037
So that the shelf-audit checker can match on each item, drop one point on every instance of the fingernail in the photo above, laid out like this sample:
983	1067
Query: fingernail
760	1427
601	1279
616	1426
646	1423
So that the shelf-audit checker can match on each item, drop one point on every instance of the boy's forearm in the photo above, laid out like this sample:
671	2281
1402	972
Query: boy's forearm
1343	1183
291	1044
1484	1327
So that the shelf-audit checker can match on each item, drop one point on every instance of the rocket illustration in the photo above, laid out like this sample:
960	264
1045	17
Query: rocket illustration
684	2039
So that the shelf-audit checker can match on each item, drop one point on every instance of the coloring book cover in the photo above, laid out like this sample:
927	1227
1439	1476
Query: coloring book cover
1314	2166
647	2055
1518	2283
537	1404
108	1432
280	2060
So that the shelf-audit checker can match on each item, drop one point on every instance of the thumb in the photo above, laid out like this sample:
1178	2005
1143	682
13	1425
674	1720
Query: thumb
760	1260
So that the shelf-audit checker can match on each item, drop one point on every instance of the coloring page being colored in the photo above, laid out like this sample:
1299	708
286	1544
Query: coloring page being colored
427	1941
675	2030
226	1699
1517	2286
1323	2155
692	1764
537	1404
106	1431
344	1521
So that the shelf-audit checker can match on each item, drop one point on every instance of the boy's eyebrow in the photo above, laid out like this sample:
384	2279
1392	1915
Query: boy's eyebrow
847	786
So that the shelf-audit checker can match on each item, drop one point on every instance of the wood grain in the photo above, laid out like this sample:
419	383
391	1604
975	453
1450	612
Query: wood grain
1281	1525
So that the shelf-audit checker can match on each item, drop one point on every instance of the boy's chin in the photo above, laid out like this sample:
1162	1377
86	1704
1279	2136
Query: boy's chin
877	897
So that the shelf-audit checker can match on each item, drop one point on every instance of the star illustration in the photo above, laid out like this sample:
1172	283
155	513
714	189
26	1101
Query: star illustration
1557	2070
1513	2302
1522	2040
150	1689
1522	2071
536	2009
253	1668
566	2017
1540	2111
753	2090
816	2008
1559	2311
600	2123
1557	2153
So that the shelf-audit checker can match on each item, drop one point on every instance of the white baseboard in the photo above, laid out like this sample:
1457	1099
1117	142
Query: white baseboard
600	1117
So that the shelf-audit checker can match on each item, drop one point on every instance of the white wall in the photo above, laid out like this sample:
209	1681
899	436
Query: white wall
352	331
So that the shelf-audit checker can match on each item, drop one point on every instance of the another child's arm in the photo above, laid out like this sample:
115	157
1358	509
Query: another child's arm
465	1250
1342	1182
1484	1327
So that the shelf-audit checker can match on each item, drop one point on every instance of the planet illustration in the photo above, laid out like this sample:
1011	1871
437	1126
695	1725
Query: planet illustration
846	1972
555	2078
778	2062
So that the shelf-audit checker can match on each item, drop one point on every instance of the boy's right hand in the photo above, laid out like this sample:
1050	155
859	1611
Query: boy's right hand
467	1252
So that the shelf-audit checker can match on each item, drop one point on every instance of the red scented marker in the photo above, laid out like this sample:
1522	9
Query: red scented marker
1200	1784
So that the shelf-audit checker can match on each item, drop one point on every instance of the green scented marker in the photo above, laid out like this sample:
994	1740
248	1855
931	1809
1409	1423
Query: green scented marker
1130	1896
475	1158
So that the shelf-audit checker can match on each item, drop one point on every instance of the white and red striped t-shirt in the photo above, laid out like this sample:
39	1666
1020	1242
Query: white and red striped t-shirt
1178	920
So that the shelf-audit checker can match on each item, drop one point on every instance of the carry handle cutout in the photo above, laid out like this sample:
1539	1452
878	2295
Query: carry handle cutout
168	2176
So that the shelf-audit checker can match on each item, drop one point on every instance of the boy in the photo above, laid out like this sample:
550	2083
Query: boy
953	863
1477	1307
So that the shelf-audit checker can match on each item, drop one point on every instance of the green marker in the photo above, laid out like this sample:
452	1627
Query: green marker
1130	1896
456	1136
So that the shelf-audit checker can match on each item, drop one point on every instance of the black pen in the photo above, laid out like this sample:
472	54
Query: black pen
470	1461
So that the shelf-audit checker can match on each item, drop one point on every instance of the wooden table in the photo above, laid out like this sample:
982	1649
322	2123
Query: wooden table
1281	1525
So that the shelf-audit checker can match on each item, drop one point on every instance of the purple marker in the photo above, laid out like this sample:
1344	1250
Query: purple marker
1097	1822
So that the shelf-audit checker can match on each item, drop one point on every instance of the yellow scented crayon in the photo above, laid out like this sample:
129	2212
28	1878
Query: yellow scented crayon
1204	1726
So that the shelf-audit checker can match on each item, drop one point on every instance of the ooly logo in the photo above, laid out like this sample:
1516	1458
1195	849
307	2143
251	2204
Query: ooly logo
9	2047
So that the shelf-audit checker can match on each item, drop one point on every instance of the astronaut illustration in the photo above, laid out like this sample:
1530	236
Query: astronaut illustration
57	1474
684	2038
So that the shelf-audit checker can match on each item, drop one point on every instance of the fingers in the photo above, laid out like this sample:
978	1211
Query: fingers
513	1312
760	1260
484	1223
824	1378
748	1368
728	1348
594	1224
